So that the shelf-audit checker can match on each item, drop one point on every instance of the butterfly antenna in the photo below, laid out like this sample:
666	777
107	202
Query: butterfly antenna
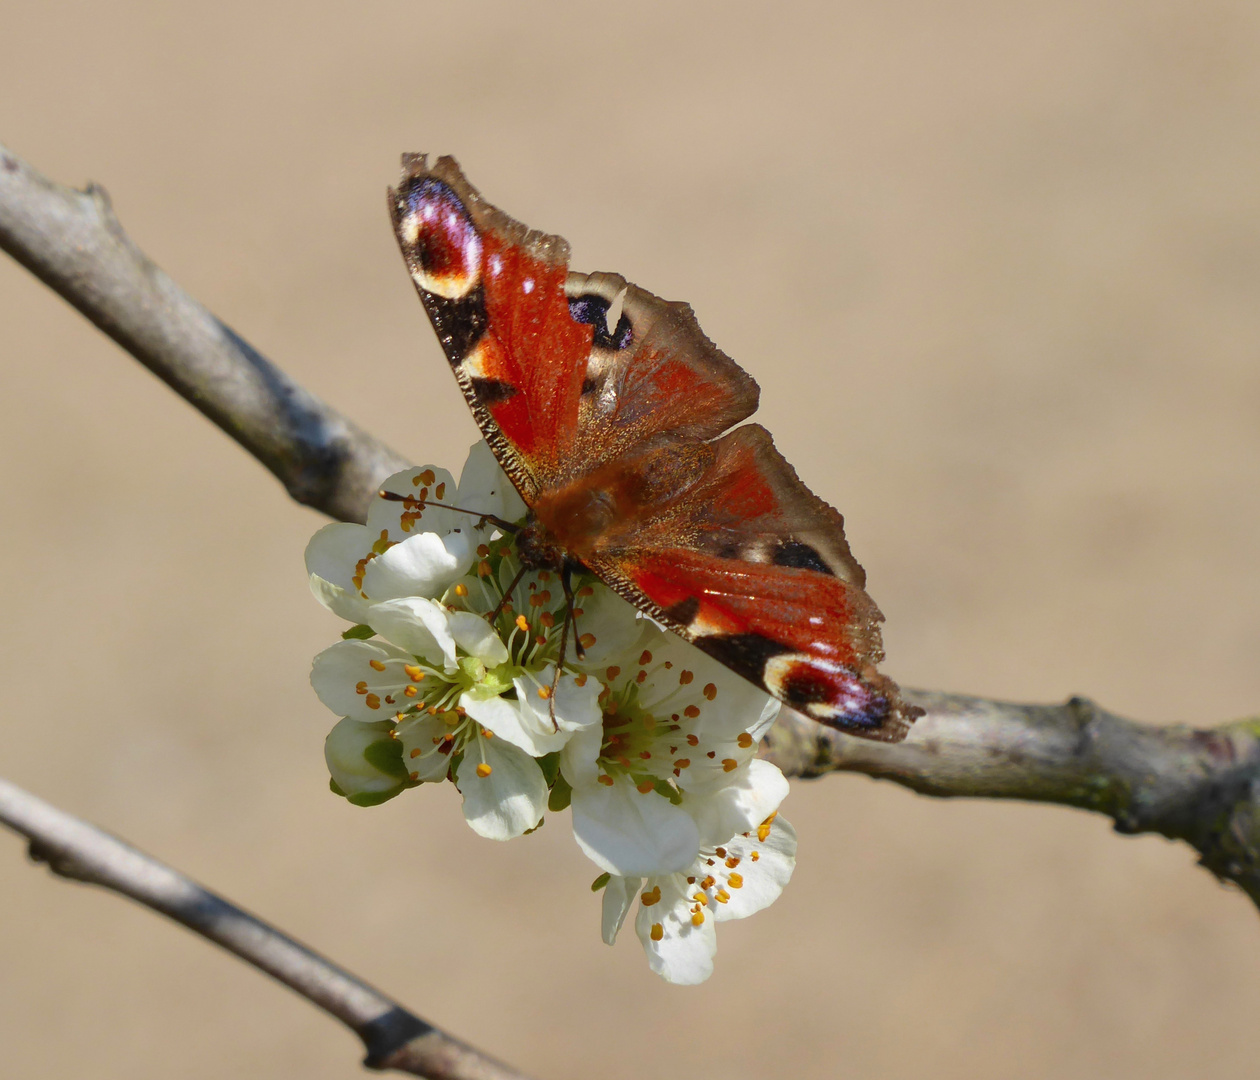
495	520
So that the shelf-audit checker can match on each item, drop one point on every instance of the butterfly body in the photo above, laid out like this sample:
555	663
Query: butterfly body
615	418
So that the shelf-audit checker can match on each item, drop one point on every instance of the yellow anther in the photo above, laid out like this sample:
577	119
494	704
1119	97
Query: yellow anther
413	672
416	752
547	619
763	830
376	665
658	931
461	589
522	624
544	692
729	764
483	770
410	691
372	701
697	919
426	477
735	881
722	896
486	733
732	862
701	899
744	740
755	856
708	882
360	687
652	896
483	569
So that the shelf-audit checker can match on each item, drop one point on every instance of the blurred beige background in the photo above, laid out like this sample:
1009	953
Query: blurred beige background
996	267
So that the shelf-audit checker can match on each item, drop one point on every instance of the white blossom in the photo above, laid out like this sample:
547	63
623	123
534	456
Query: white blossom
453	670
678	913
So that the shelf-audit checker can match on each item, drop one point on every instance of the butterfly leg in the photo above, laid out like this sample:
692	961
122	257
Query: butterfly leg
506	598
570	619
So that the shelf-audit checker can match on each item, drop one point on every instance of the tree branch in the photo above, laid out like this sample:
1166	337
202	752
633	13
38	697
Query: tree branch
394	1038
1197	785
1201	786
72	241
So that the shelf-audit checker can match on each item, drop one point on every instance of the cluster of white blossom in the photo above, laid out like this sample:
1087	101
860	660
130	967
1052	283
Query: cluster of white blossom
650	742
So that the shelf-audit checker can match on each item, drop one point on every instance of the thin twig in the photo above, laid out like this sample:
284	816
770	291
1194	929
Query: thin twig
72	241
1197	785
394	1038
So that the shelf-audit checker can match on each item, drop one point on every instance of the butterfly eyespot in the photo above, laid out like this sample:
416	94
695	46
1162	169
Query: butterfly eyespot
442	245
593	310
800	555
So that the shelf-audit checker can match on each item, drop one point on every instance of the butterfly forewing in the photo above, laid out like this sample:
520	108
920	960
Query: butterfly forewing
606	407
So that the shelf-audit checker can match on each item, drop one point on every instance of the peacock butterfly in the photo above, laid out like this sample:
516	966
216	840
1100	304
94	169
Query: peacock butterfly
610	411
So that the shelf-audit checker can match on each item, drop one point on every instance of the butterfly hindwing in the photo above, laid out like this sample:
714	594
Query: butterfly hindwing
754	569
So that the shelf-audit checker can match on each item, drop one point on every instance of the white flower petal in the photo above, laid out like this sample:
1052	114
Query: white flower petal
484	487
684	952
619	637
397	521
509	722
763	876
753	794
343	678
477	637
332	558
418	625
510	799
579	760
577	707
422	565
626	832
619	894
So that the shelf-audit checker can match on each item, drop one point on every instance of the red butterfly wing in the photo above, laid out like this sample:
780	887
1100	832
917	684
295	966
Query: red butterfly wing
551	386
604	405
